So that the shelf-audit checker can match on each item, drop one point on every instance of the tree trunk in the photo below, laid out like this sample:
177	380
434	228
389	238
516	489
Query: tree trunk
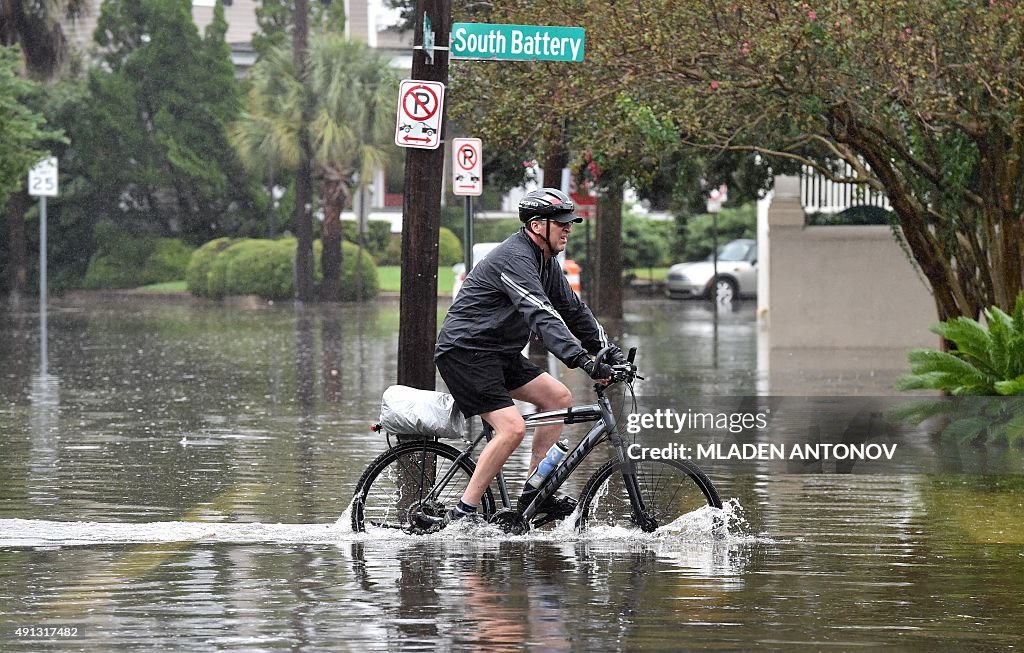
330	237
17	248
606	301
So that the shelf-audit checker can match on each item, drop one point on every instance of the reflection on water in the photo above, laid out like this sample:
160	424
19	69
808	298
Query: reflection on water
175	479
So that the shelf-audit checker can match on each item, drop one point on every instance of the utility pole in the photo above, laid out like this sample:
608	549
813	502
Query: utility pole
304	176
421	215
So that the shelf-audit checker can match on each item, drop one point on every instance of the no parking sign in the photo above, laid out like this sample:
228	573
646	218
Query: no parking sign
467	166
420	107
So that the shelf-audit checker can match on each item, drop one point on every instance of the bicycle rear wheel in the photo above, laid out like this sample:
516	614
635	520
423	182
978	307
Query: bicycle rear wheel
399	480
670	489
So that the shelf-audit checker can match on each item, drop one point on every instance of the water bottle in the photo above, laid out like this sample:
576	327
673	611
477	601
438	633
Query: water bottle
551	460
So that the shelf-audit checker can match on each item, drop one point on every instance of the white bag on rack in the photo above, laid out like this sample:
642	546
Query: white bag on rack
411	411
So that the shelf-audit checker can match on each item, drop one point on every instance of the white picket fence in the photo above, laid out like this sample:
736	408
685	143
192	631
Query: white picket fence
821	195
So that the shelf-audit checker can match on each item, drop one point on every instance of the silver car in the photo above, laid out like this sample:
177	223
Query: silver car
737	274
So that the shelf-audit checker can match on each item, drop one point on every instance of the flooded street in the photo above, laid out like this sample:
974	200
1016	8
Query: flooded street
177	479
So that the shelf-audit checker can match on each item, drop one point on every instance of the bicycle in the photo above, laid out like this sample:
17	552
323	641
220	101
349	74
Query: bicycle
427	476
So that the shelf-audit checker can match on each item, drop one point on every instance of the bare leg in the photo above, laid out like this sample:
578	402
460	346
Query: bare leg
546	393
509	430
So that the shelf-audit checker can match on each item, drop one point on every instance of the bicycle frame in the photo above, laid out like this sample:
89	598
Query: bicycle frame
601	412
606	426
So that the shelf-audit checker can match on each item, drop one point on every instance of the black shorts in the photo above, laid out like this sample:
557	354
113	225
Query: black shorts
480	381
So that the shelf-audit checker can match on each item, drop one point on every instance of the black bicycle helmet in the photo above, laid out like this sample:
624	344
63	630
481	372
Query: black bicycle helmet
547	204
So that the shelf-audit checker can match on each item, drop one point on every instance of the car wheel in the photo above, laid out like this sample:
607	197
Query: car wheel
727	291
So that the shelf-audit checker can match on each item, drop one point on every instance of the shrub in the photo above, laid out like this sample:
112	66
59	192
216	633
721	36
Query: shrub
645	243
985	361
261	267
199	265
393	252
217	277
449	248
266	268
125	260
168	262
358	271
378	235
358	274
853	216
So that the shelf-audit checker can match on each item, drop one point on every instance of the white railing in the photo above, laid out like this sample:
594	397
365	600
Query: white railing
821	195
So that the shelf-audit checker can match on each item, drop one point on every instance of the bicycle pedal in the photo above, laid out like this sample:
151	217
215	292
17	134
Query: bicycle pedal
421	524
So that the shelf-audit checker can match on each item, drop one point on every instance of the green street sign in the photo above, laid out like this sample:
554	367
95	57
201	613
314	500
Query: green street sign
516	42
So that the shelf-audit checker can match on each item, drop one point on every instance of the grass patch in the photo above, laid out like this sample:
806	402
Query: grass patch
390	279
166	286
649	274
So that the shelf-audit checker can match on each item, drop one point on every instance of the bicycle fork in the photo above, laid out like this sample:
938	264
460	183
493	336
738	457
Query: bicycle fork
641	517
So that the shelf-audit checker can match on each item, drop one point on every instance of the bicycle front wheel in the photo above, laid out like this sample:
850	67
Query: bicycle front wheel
400	480
669	489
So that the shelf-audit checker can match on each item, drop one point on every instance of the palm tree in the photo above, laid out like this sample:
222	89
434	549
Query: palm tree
352	91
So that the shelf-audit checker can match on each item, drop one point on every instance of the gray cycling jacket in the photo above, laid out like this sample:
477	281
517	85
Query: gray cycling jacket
512	292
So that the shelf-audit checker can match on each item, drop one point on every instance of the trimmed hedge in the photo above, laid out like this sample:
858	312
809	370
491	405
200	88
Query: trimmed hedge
261	267
266	268
199	265
449	248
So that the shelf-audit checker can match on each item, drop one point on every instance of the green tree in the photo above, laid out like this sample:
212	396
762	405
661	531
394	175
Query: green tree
922	100
156	137
22	130
23	139
36	28
351	91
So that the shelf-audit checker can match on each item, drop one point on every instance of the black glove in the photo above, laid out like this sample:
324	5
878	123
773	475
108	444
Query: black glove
615	355
597	372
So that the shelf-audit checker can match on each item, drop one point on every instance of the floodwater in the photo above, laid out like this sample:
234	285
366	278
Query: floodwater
177	478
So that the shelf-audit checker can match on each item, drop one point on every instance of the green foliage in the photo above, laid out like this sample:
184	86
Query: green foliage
266	268
199	265
449	248
645	243
984	360
378	236
261	267
22	130
217	276
696	233
392	253
152	134
168	262
358	274
853	216
127	261
274	18
922	99
495	231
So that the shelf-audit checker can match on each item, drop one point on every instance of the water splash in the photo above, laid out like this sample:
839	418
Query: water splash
725	526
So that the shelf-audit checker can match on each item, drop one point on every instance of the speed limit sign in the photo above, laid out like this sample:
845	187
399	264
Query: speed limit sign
42	179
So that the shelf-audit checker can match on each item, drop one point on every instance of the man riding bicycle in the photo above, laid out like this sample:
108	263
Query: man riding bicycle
518	288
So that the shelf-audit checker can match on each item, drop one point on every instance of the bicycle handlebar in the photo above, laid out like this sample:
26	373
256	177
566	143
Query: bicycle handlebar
621	371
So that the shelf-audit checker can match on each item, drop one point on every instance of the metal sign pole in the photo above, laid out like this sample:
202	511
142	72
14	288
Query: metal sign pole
43	354
468	236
